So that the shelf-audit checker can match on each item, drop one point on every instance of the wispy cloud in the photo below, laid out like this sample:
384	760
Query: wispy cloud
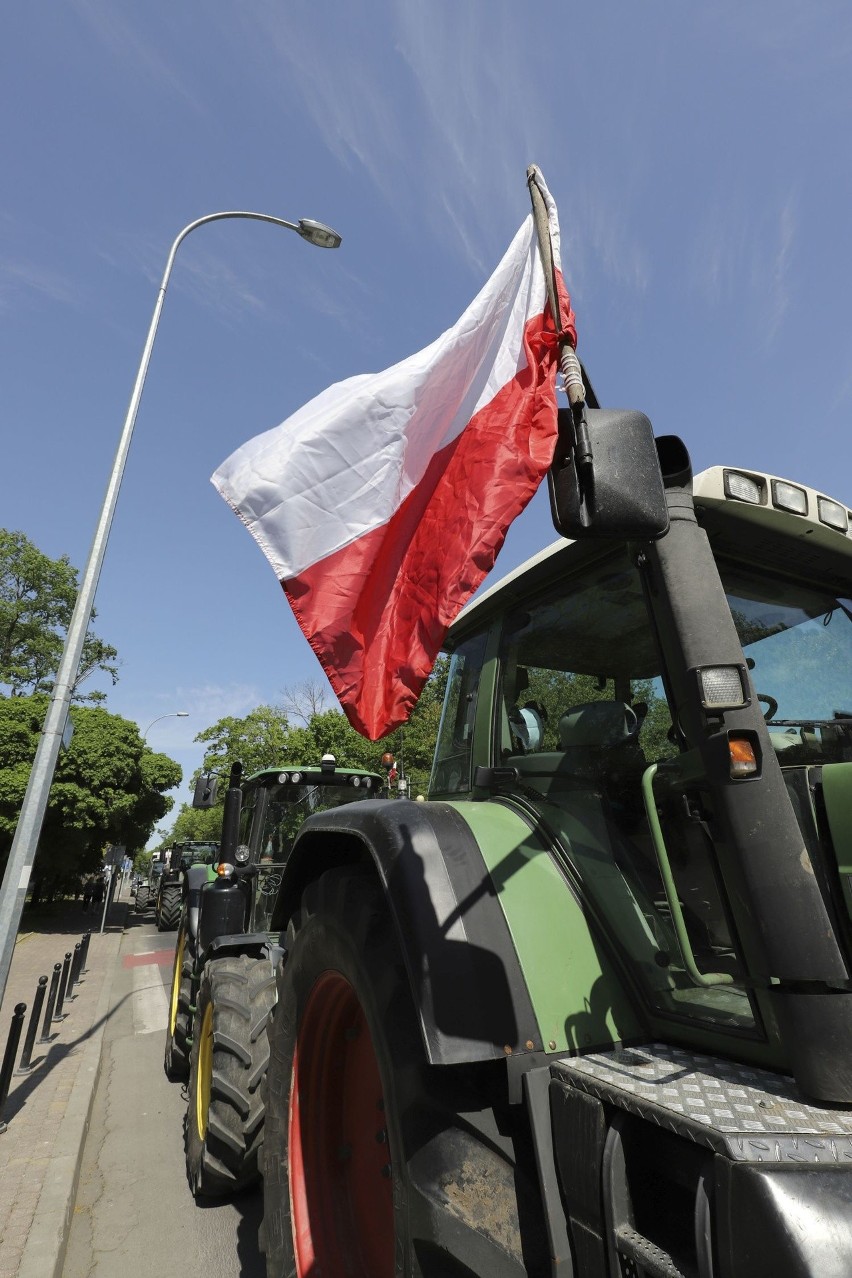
124	40
210	279
209	702
745	259
778	292
22	279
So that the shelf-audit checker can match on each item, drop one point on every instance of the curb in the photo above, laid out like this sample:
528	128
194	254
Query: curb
44	1251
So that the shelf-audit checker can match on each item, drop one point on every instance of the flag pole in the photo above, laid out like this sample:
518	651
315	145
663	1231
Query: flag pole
569	364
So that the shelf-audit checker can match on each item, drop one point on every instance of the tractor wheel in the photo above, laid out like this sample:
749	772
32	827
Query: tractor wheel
143	893
169	908
176	1062
374	1162
223	1129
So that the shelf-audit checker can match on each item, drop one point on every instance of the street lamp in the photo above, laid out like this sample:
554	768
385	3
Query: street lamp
173	714
22	853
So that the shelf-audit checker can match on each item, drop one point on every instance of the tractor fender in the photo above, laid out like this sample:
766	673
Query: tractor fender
256	945
461	963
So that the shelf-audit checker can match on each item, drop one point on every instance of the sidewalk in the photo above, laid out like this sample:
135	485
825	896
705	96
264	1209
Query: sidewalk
47	1112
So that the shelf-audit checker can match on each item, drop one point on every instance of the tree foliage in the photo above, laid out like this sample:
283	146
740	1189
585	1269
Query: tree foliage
108	786
37	596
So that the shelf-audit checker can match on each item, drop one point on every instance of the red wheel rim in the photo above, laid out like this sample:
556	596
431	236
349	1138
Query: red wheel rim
341	1184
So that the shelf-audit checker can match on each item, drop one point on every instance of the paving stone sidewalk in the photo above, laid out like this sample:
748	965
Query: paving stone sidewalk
47	1111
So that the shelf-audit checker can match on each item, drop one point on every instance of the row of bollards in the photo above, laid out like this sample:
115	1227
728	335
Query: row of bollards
65	976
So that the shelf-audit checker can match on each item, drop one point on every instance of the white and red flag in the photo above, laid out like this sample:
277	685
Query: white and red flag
383	503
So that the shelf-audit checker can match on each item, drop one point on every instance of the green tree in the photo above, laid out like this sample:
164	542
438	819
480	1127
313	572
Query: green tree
256	741
108	786
200	824
37	596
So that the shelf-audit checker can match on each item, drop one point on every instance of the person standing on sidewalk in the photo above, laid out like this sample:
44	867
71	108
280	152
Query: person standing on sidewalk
98	890
88	891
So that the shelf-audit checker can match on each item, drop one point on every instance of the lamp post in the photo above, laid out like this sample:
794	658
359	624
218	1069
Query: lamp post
25	843
173	714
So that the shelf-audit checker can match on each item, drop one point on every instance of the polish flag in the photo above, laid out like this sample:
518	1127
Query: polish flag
383	503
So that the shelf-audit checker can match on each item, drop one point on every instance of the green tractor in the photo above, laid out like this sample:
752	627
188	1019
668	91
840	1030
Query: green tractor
587	1011
146	892
223	982
169	894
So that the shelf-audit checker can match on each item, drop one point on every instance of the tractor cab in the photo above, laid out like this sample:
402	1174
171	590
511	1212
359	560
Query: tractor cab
275	804
600	693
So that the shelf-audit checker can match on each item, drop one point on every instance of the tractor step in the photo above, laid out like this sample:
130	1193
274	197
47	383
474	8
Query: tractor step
746	1113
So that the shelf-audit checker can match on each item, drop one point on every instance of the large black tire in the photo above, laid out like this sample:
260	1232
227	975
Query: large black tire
176	1060
223	1130
143	895
169	909
375	1163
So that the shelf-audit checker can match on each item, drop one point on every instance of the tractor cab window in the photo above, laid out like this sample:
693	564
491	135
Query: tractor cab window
580	714
451	766
797	641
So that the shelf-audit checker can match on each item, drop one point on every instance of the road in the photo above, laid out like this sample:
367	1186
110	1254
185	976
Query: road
135	1215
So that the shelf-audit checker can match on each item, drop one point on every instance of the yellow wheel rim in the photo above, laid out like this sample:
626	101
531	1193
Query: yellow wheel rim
176	975
204	1073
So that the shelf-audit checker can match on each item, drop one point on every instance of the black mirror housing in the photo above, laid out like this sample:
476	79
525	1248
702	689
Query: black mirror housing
205	792
620	495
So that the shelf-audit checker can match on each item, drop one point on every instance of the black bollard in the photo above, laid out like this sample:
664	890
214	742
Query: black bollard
74	978
25	1065
9	1056
85	953
59	1015
51	1003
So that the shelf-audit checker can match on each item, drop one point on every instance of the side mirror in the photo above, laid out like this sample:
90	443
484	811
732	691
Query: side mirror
205	792
620	494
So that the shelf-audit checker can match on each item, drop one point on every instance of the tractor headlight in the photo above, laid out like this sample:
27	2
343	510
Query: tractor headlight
832	514
721	688
788	497
744	487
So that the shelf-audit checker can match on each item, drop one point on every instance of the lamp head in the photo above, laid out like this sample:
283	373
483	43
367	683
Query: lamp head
318	233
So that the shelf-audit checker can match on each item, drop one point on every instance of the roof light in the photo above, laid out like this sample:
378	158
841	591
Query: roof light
354	780
788	497
833	514
744	487
721	687
295	777
743	758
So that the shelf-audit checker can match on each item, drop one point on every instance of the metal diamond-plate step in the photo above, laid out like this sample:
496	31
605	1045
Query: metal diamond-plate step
750	1114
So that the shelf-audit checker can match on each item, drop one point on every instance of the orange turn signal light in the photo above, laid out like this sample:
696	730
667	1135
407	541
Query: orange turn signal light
742	756
224	869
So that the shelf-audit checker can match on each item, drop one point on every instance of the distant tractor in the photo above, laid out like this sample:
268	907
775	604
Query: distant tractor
146	891
223	983
178	860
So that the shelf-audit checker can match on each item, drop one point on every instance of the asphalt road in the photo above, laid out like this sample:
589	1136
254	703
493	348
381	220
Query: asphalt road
134	1214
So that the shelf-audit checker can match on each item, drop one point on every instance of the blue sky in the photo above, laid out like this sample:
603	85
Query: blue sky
700	159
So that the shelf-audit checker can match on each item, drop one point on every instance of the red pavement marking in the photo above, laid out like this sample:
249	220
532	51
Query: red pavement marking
164	957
